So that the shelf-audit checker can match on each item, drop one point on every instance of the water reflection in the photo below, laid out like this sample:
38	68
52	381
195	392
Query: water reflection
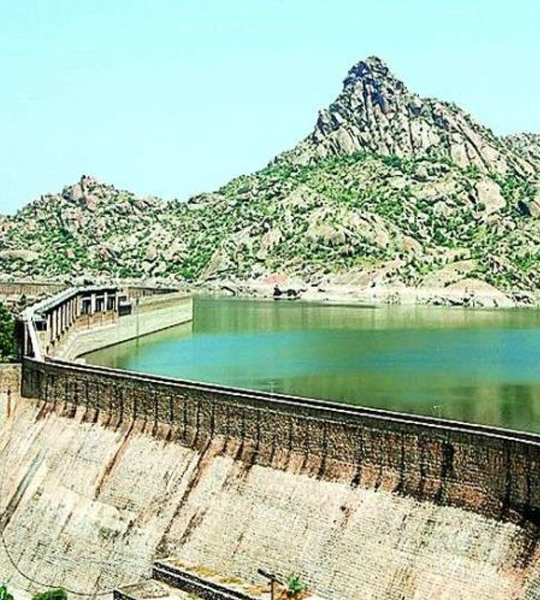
480	366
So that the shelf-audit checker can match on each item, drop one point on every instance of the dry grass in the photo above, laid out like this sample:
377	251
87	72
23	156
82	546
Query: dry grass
285	594
256	589
203	571
230	580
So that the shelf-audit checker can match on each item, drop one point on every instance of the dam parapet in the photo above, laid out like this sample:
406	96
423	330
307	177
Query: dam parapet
487	470
29	289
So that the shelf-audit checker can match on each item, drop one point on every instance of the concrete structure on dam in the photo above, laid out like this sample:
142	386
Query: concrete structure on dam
111	478
79	320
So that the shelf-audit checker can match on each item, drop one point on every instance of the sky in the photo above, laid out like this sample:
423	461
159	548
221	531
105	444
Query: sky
176	97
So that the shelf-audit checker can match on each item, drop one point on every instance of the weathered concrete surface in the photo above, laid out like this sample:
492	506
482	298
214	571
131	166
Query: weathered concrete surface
89	503
10	385
152	590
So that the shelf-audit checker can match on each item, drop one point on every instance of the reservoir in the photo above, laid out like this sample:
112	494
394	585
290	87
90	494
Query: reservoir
477	365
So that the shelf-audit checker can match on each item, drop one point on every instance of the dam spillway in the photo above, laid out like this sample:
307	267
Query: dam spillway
105	471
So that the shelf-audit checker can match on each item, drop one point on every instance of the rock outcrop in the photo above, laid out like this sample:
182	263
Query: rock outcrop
388	187
376	113
526	144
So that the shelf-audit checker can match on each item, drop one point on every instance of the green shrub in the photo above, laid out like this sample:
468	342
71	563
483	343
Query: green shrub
7	338
295	585
4	594
53	594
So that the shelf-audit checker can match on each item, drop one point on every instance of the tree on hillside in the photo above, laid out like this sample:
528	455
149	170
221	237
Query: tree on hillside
7	335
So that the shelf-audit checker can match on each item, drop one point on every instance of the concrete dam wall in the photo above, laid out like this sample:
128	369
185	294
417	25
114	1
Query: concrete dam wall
102	472
91	502
117	470
479	468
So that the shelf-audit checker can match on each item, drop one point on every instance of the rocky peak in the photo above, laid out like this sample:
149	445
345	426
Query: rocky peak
89	182
401	212
87	187
373	71
376	113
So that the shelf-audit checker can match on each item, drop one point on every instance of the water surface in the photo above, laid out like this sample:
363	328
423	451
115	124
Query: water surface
473	365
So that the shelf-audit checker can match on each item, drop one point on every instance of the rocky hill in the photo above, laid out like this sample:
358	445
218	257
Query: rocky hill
389	190
526	144
376	113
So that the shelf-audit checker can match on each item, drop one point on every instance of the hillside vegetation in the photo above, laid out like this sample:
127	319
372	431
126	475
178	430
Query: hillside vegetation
388	189
7	335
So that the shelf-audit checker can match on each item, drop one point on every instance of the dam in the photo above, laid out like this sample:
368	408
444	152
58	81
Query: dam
113	478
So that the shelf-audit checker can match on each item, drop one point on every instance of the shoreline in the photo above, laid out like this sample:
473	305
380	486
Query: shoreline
471	294
467	293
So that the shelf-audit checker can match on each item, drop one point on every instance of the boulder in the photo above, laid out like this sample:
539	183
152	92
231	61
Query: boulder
271	238
530	208
411	246
475	292
327	234
151	253
24	255
489	195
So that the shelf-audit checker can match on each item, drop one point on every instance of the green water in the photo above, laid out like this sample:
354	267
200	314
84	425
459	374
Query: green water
480	366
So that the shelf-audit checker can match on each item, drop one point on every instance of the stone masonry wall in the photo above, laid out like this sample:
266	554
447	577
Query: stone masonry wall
29	288
478	468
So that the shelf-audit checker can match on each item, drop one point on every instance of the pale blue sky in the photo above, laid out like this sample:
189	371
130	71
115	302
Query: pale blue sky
174	97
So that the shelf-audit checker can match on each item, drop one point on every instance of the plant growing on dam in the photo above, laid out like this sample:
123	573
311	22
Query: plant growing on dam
295	586
53	594
4	594
7	337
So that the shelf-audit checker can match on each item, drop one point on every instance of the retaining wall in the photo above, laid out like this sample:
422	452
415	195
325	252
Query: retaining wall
490	471
29	288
